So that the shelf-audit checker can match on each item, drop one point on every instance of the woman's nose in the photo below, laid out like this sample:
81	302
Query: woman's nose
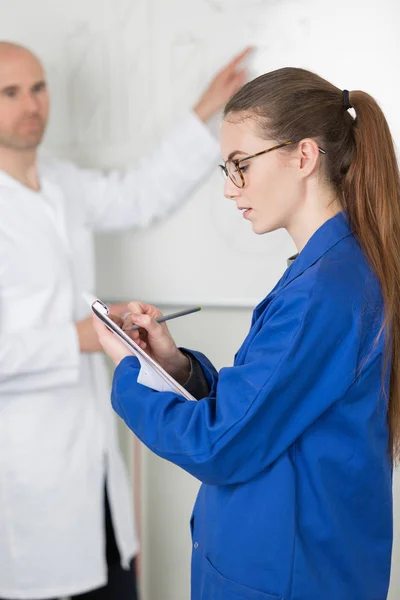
231	191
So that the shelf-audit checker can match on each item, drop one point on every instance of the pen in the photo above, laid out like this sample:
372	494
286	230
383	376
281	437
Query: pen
180	313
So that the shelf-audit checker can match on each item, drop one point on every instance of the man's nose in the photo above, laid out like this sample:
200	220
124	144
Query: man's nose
31	103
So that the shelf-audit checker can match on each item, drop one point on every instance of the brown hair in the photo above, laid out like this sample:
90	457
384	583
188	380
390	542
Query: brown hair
292	104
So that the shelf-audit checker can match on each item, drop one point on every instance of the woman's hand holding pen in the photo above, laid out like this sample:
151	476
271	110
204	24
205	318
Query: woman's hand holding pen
154	338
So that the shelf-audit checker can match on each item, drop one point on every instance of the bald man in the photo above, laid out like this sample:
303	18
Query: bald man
66	510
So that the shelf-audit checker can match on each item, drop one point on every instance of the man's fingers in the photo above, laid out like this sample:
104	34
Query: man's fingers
239	80
238	59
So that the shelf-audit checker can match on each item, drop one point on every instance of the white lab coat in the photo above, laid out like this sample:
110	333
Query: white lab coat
57	432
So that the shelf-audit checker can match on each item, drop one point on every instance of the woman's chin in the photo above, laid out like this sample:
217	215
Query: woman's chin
261	228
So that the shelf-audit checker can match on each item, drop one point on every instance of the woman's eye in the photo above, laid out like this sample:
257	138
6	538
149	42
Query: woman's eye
244	168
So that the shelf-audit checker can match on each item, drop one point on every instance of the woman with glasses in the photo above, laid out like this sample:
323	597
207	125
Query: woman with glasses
295	442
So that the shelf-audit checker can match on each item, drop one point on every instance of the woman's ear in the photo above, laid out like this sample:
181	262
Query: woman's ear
308	151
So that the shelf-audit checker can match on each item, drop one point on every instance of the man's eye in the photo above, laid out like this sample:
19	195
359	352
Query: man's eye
10	92
39	87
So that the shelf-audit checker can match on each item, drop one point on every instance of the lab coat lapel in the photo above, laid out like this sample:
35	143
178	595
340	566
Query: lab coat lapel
331	232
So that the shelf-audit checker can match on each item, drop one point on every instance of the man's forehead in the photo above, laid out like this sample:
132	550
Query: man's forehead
16	64
15	72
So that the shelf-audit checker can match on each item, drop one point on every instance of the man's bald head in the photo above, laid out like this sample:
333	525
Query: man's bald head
9	48
24	101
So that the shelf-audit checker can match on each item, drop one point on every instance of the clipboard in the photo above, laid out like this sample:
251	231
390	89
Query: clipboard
151	373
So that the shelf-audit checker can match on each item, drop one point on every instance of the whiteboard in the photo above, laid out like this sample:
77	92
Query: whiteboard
122	72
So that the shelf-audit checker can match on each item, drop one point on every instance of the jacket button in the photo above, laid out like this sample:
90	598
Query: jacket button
195	545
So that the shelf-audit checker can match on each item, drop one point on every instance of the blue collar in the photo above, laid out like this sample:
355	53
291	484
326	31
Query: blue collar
329	234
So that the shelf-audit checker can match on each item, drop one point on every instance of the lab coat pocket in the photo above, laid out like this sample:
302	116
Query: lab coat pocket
217	587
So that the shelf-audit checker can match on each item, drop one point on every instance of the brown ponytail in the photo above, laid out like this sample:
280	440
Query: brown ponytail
371	194
360	163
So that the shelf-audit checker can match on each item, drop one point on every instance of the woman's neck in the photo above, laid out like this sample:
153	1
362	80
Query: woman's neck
316	209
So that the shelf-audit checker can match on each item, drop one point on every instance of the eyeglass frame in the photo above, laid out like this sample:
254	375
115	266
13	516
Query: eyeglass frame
237	161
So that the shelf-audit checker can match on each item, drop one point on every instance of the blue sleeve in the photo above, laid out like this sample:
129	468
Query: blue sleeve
301	361
197	383
206	369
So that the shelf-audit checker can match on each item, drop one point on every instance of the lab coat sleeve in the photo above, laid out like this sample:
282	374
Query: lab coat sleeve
156	185
301	361
39	359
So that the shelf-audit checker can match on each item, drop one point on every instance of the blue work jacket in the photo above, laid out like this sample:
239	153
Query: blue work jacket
292	442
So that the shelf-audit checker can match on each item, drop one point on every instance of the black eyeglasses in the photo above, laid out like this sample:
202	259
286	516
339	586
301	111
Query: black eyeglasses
232	169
